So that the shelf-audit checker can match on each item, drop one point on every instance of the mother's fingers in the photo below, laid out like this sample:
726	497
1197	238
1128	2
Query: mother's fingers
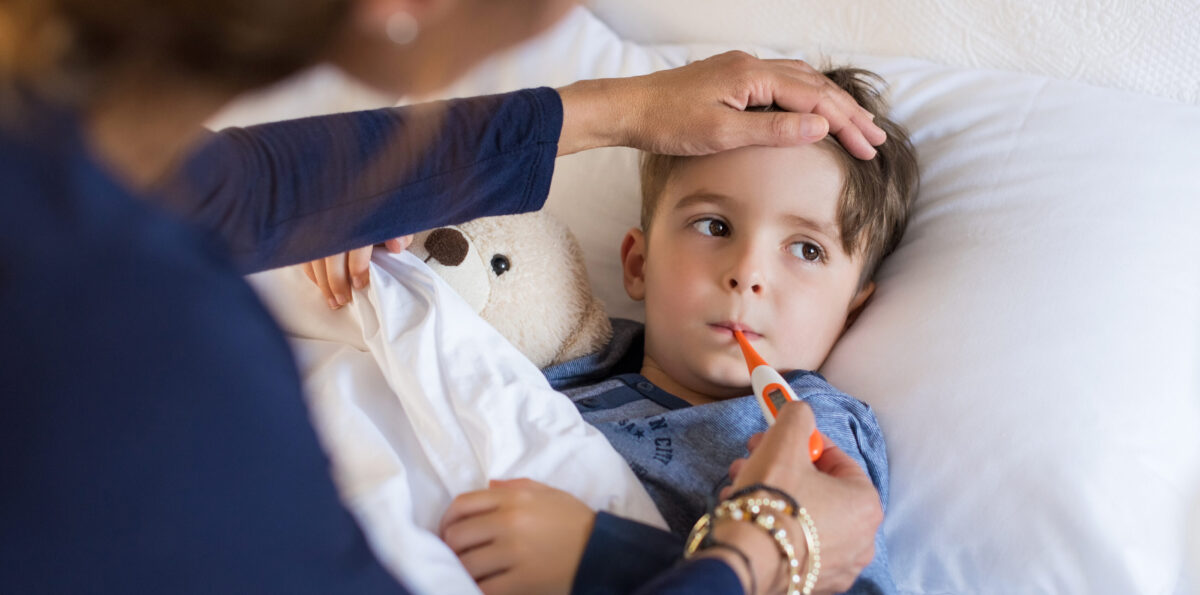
809	91
811	76
358	262
735	468
846	118
754	441
778	129
838	464
794	424
873	133
781	458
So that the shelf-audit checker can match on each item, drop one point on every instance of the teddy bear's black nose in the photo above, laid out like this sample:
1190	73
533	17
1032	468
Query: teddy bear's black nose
447	246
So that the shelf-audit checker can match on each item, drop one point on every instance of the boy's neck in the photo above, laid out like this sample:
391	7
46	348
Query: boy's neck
655	374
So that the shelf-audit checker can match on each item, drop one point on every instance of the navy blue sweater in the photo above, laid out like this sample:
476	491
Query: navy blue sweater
153	431
154	435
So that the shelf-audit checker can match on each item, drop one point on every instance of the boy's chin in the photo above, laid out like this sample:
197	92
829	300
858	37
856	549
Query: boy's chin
728	385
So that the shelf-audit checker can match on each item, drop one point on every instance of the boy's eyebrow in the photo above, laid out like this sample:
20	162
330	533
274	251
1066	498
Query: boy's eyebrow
830	231
702	196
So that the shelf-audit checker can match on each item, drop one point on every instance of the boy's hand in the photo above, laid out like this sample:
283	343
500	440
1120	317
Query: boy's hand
334	275
518	536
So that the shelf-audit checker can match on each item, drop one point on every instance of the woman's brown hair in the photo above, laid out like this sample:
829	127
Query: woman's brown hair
69	46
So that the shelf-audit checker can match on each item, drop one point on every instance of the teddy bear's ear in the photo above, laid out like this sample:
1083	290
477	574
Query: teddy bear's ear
591	334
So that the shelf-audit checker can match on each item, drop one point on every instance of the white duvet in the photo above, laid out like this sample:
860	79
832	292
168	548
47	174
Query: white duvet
417	399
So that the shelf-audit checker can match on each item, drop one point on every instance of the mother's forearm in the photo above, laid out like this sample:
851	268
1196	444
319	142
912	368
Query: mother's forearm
289	192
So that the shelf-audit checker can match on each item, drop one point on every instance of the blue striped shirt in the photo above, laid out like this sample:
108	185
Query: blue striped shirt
681	453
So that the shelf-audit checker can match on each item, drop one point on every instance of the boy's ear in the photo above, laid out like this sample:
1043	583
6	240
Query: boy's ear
857	304
633	264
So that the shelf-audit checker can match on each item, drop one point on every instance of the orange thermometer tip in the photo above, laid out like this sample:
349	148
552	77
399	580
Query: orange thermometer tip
816	445
753	360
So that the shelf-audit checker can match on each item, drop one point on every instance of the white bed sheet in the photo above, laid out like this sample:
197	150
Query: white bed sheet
417	399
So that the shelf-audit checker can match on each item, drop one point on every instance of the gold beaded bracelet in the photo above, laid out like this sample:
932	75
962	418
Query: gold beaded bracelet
761	512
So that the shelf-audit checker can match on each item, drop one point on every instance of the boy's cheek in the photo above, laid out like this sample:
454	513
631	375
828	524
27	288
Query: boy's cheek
806	346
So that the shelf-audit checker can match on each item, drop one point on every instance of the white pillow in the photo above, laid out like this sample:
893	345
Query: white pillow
1032	347
1147	46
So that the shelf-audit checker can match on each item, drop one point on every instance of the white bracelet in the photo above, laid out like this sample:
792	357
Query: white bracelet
762	512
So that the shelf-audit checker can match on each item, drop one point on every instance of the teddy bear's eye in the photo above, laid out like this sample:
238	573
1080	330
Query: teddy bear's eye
500	264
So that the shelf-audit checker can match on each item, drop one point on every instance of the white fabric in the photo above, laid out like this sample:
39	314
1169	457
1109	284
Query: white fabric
417	399
1032	347
1148	46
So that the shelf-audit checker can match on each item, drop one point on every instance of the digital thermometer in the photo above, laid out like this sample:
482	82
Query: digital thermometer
772	391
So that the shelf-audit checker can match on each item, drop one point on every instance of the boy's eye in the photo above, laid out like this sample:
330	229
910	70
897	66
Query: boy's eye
807	251
711	227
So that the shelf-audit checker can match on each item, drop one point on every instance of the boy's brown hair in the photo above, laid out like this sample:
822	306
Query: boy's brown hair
876	195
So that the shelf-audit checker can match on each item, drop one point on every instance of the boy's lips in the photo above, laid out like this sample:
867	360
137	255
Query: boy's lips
727	327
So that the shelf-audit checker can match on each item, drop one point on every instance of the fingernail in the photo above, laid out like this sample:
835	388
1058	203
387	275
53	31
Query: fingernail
359	283
341	299
333	305
810	128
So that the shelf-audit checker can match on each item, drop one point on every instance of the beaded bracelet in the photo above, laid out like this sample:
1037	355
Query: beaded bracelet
761	512
778	493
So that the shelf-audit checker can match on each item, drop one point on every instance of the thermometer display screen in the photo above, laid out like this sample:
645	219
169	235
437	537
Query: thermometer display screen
777	399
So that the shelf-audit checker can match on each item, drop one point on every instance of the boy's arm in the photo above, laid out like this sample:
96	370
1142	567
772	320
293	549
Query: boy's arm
522	536
852	426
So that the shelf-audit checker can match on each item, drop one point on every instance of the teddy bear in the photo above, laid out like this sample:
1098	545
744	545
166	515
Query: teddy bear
524	274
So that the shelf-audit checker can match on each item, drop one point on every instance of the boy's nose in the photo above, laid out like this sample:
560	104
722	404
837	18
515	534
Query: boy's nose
745	272
745	284
745	275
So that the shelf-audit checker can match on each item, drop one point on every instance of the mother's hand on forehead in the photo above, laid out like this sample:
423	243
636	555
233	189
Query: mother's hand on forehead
700	108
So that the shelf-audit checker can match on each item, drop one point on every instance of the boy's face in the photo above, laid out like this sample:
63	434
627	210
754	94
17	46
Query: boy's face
742	239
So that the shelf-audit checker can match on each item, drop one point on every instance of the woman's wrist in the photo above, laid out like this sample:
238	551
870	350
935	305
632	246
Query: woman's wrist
767	570
596	113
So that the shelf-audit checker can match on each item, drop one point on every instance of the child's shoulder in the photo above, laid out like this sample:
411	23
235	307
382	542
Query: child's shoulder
812	387
622	355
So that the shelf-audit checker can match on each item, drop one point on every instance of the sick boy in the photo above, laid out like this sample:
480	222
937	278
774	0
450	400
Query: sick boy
780	243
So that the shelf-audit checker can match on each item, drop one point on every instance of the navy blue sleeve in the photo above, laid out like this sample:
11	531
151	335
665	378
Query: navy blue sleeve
622	555
290	192
696	577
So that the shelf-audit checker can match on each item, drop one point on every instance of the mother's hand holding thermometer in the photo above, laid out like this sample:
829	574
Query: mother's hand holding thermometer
834	489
